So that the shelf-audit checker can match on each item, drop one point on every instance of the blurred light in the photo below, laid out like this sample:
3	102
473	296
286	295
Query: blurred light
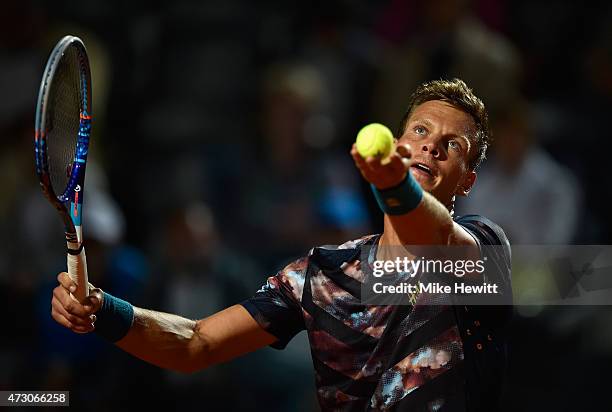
199	219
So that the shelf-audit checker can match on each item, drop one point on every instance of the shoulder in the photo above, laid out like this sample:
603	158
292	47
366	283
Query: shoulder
485	230
290	279
294	274
333	256
492	241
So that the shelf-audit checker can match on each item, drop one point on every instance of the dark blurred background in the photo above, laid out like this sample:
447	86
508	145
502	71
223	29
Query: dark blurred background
220	153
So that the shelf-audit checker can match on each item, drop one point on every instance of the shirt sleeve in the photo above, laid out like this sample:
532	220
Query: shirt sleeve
495	247
276	306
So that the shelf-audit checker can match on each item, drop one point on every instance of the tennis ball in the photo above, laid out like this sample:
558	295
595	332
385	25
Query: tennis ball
374	140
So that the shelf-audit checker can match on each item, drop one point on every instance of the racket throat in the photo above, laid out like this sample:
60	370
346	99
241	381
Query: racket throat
74	241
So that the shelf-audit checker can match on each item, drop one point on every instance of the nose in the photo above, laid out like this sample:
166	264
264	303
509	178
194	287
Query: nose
432	148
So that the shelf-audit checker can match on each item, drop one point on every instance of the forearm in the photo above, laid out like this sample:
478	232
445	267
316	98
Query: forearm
173	342
430	223
162	339
165	340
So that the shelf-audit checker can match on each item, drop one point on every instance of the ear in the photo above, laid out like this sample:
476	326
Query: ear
464	187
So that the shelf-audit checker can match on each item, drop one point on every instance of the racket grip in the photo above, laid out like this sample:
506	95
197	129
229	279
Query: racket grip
77	269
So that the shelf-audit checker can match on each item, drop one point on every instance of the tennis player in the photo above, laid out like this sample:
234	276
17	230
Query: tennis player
416	357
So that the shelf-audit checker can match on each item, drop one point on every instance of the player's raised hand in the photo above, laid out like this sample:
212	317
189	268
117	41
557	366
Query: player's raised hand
68	311
387	172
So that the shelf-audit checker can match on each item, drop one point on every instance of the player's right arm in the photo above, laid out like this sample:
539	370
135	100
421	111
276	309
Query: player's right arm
166	340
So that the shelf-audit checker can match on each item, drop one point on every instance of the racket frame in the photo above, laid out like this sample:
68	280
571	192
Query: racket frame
68	203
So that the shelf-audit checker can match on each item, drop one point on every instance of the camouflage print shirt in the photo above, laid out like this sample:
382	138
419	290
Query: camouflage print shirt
394	357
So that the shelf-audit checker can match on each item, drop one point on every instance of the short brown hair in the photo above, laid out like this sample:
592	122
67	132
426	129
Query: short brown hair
459	95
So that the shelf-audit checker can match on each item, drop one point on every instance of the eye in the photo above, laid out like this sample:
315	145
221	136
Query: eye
453	144
420	130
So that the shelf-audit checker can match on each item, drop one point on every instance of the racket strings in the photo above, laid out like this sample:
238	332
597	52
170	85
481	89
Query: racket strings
64	106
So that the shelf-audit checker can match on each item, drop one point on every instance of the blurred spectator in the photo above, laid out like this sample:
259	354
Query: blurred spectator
298	197
198	275
535	199
199	272
441	39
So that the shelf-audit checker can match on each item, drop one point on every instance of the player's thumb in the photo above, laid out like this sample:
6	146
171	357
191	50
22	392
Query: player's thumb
404	150
405	153
93	302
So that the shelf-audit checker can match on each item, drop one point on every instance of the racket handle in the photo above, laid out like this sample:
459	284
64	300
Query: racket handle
77	269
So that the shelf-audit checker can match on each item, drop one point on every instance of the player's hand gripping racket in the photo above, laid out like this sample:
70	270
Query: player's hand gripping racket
61	140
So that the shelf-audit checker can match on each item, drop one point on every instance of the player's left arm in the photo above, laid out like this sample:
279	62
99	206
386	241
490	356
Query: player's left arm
429	223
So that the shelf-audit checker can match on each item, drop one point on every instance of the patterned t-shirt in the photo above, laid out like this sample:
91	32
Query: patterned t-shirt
389	357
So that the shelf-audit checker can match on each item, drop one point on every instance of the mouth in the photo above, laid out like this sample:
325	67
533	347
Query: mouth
423	169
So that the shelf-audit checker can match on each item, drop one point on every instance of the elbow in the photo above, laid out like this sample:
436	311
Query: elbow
197	353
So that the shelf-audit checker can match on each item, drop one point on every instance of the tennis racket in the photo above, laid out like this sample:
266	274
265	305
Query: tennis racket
61	141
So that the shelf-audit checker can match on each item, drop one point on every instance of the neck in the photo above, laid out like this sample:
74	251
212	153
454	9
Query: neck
450	206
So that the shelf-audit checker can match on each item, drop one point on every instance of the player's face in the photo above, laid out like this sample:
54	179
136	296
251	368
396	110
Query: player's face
440	137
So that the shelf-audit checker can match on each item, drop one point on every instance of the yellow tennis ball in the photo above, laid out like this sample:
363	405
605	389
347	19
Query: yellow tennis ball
374	140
